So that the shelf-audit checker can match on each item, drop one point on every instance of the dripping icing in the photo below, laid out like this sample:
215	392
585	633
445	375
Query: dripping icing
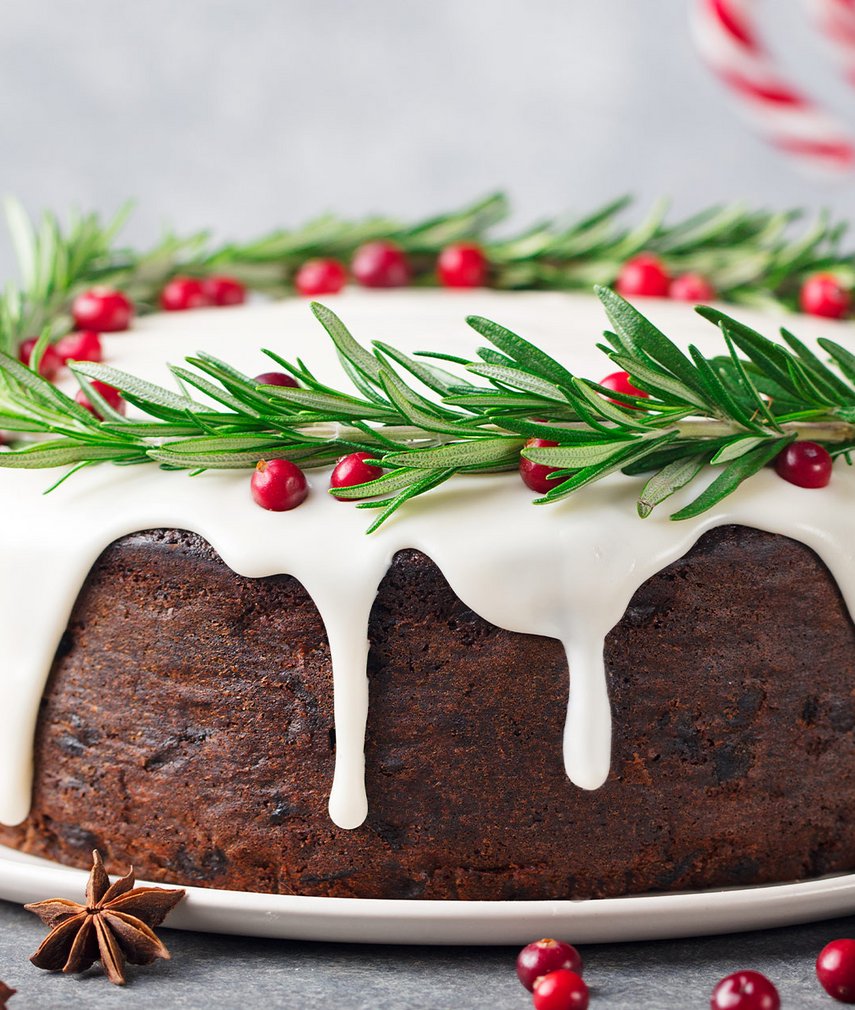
568	571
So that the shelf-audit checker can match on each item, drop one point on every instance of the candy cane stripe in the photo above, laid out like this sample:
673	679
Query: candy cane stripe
729	42
776	93
733	23
838	154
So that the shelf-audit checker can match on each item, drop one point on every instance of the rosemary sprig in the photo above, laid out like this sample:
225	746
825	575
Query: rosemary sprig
55	264
751	257
423	424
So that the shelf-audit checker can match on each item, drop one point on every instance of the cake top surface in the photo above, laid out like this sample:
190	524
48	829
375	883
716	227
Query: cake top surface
567	326
566	570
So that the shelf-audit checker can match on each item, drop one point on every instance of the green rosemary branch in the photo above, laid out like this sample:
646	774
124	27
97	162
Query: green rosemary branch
55	264
750	257
424	424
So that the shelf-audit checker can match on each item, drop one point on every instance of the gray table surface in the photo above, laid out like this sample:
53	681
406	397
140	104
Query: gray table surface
214	972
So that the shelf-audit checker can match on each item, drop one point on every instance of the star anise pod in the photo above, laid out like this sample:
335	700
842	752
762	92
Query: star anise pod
5	994
114	926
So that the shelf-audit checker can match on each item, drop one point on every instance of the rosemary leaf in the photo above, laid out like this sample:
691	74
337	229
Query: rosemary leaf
515	378
631	454
61	452
432	480
525	354
480	452
844	358
732	476
146	395
436	379
394	481
736	447
645	339
349	348
669	479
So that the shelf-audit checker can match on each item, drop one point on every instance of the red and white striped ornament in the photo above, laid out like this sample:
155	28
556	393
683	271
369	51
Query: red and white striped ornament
728	38
836	19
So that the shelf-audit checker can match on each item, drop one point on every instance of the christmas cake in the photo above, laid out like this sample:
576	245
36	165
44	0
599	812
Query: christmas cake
482	699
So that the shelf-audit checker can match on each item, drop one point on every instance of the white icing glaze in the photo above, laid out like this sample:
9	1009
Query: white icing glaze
566	571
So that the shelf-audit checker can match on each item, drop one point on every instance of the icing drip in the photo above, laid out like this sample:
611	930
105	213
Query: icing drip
588	729
567	571
345	608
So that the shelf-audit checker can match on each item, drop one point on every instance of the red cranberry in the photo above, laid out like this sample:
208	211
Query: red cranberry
824	295
543	956
804	464
84	345
643	275
380	264
275	379
534	475
619	382
182	293
353	469
320	277
560	990
278	485
835	969
691	288
103	310
50	364
221	290
462	265
745	990
108	393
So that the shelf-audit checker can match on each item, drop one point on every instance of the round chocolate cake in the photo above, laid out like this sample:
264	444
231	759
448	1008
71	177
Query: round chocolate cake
188	728
278	702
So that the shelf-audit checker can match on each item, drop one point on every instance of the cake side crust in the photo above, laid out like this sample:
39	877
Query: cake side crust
187	728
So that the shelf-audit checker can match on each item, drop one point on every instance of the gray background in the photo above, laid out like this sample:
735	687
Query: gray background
210	972
242	115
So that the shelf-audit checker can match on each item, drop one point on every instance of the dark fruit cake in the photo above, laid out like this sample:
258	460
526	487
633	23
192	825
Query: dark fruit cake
187	728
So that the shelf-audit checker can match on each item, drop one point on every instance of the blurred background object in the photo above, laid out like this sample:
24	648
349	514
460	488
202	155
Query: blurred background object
242	116
732	39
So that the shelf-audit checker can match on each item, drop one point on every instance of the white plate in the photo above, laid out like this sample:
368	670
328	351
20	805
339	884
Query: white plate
26	878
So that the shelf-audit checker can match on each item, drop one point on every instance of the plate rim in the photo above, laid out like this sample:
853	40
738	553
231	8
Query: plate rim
421	921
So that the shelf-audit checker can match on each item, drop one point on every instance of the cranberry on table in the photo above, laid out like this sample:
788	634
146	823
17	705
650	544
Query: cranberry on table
643	275
619	382
183	293
535	475
462	265
805	464
352	469
835	969
543	956
222	290
745	990
381	264
102	309
278	485
83	345
108	393
560	990
824	295
691	287
320	277
276	379
50	364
